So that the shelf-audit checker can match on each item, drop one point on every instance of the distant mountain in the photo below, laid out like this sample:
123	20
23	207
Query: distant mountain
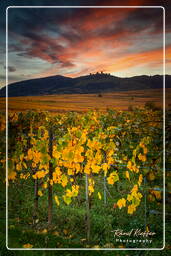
97	83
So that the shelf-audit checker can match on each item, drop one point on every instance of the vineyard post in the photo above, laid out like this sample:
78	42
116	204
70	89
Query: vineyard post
50	192
36	183
35	196
145	204
87	208
104	184
105	196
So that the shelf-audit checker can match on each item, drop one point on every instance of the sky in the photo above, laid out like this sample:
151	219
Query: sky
77	41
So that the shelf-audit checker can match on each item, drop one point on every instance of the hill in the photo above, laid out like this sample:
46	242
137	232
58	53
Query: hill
97	83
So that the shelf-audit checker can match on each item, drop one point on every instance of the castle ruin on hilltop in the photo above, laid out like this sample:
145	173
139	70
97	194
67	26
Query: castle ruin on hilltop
100	74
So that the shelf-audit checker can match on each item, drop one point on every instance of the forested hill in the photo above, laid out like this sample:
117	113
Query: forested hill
97	83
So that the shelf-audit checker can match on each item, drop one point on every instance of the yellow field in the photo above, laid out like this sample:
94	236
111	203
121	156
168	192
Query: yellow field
83	102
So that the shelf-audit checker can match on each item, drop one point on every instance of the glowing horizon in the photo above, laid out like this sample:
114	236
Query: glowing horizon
74	42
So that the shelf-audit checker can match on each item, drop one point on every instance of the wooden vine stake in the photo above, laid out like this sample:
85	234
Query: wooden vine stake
87	209
36	196
50	192
145	204
36	186
104	187
36	200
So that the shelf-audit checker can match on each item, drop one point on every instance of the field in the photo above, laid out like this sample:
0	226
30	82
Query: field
92	167
84	102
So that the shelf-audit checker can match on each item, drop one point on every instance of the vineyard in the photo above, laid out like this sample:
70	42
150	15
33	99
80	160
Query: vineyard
75	178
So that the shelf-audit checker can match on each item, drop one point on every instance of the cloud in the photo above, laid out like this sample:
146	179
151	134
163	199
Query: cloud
79	41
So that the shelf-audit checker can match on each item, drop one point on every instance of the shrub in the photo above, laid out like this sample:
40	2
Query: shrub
130	108
151	105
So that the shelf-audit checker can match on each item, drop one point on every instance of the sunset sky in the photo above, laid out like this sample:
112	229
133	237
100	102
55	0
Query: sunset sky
76	41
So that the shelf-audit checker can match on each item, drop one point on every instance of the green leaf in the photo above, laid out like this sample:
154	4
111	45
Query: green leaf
78	134
67	200
59	148
43	149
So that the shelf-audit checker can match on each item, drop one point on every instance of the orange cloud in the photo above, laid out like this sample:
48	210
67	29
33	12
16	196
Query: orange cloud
148	58
135	59
90	40
96	60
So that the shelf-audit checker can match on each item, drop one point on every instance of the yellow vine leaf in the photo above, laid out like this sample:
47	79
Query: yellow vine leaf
77	167
12	175
58	171
56	154
56	200
142	157
105	168
113	177
141	144
121	203
145	150
75	189
28	246
99	195
127	175
129	197
132	167
90	189
30	154
83	137
21	157
151	176
70	172
156	193
147	228
39	174
95	168
24	176
64	180
67	199
131	208
135	188
87	169
40	193
34	165
44	185
44	231
24	164
18	167
140	179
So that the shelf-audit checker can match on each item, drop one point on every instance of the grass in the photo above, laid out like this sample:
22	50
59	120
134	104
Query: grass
84	102
68	229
